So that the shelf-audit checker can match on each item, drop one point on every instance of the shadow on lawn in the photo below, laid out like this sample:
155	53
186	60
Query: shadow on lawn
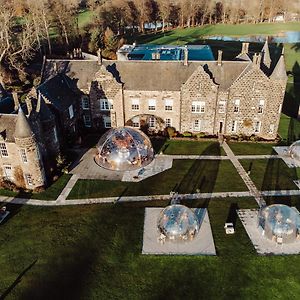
202	175
277	178
17	281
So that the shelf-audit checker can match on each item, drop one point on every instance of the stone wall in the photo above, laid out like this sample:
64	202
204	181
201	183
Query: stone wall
160	113
199	87
33	166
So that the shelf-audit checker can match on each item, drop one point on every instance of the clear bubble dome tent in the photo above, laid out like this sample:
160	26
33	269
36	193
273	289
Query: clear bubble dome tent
294	150
279	223
124	149
178	222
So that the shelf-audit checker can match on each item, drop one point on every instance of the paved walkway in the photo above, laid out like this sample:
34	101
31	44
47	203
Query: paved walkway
67	190
218	157
246	178
195	196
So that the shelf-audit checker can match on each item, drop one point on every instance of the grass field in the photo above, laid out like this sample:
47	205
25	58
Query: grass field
51	193
272	174
248	148
193	34
289	129
186	176
173	147
94	252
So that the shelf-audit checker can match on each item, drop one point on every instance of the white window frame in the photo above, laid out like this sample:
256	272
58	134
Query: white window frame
106	104
87	121
152	122
236	107
271	128
152	104
6	175
197	125
28	179
169	104
107	122
198	107
85	103
135	104
257	127
168	122
3	150
136	122
71	111
23	154
233	126
222	107
261	105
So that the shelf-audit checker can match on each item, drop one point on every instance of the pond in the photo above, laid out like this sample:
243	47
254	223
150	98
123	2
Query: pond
282	37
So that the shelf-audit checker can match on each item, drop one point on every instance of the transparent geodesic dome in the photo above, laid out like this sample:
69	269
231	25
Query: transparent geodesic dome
279	223
294	150
178	222
124	149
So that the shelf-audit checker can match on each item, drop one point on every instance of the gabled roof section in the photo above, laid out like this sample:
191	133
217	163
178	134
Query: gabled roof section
59	91
243	57
22	129
80	71
142	75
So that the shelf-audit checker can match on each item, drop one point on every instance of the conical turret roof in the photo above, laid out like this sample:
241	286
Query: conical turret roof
279	72
22	129
266	59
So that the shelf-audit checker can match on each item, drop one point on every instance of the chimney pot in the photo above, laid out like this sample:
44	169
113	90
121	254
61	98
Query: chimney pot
220	52
16	100
186	56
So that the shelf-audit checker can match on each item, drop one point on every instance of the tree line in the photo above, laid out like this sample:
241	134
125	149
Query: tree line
28	27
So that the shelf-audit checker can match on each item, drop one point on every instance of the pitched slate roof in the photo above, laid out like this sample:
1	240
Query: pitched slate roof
147	75
59	90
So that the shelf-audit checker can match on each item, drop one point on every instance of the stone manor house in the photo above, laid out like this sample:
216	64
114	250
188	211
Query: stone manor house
242	96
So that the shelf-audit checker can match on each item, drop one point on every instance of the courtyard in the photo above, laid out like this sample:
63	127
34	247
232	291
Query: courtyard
107	239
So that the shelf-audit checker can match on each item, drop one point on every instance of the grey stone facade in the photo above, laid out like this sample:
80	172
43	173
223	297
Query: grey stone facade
243	96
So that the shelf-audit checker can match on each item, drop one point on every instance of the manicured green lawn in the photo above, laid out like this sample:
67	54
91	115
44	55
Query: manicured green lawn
245	148
85	17
94	252
193	34
186	176
182	147
289	129
51	193
272	174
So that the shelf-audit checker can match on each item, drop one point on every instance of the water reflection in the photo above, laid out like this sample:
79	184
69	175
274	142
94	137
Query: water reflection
282	37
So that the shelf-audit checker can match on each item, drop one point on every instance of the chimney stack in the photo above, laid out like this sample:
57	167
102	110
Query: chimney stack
245	48
99	57
185	56
220	53
16	101
255	58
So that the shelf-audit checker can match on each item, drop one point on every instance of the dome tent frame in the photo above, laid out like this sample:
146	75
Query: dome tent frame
124	149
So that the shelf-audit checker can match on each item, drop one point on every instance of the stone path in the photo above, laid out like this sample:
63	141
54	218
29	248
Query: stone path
217	157
246	178
67	190
195	196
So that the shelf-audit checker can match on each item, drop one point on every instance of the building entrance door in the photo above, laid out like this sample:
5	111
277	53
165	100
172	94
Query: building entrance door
221	127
